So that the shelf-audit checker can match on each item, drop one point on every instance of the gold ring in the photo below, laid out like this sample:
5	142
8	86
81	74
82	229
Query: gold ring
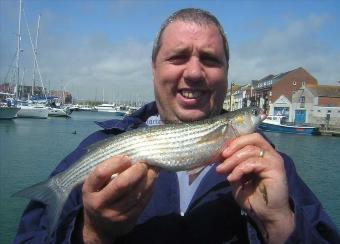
261	155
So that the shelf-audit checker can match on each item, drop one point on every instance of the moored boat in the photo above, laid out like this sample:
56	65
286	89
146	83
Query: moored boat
8	108
279	124
117	110
38	112
32	111
87	108
59	112
131	110
8	112
105	107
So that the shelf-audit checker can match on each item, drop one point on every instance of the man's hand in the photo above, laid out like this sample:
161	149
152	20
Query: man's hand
257	175
112	206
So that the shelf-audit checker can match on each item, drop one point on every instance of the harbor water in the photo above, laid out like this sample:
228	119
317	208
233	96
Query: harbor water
31	148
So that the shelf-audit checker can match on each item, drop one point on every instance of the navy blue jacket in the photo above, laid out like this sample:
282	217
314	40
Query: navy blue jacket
213	215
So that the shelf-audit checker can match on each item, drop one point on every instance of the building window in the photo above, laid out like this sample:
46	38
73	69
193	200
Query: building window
329	111
303	83
270	93
319	111
294	83
302	99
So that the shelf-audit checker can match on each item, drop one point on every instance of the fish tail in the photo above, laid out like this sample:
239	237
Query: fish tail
50	194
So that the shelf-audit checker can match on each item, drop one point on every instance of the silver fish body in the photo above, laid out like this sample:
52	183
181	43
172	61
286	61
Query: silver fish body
174	147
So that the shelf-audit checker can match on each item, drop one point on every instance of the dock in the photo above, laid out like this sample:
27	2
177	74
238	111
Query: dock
330	132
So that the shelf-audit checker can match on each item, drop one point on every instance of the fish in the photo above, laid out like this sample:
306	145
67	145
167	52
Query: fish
173	147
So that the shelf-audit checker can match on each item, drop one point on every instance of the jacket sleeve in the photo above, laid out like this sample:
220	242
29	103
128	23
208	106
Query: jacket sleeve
33	224
312	224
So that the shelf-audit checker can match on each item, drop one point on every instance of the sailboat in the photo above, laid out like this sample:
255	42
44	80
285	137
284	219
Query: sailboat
31	110
28	109
8	107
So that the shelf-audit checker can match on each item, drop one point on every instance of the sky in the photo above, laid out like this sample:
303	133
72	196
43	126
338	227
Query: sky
101	50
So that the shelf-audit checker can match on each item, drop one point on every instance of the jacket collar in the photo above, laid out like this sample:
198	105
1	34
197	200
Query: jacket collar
137	119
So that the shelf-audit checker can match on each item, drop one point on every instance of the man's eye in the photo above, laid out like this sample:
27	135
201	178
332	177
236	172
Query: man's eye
178	58
210	61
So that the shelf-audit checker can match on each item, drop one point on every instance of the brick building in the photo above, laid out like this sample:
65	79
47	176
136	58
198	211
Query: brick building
64	97
274	92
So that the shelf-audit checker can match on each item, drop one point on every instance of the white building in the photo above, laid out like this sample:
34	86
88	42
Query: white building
317	105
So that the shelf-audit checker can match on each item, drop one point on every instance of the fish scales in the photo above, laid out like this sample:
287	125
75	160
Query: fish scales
146	147
185	138
175	147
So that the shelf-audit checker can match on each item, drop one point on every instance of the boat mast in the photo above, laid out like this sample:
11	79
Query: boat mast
35	57
18	47
36	53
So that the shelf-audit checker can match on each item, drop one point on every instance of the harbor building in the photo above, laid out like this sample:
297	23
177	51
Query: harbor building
317	104
274	93
294	94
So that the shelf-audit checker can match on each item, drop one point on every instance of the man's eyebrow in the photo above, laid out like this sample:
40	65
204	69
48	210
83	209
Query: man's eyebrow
179	50
209	52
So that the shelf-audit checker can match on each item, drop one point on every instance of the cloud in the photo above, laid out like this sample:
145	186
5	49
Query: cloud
297	44
92	65
89	66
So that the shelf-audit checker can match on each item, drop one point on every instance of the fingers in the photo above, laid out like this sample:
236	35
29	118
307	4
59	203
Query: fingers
254	139
130	188
114	205
134	212
249	152
244	169
132	183
101	175
238	157
136	199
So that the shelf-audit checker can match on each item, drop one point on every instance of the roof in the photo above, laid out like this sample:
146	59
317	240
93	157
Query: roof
280	76
325	91
268	77
272	79
277	77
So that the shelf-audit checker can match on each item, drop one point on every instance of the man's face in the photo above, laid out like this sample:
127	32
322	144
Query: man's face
190	72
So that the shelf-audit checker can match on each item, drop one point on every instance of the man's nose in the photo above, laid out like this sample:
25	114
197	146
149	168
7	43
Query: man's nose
193	70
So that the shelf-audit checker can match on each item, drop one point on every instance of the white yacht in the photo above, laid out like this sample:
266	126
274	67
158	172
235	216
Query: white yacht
59	112
27	110
117	110
105	107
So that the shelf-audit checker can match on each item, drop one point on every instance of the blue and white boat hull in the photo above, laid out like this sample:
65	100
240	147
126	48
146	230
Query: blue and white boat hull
290	129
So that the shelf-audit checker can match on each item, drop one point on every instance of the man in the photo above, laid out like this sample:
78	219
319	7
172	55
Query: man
254	195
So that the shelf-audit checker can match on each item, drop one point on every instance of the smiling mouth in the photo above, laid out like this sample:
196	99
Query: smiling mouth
191	94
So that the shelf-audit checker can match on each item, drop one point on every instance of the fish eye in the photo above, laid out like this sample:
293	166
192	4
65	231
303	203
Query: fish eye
255	112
